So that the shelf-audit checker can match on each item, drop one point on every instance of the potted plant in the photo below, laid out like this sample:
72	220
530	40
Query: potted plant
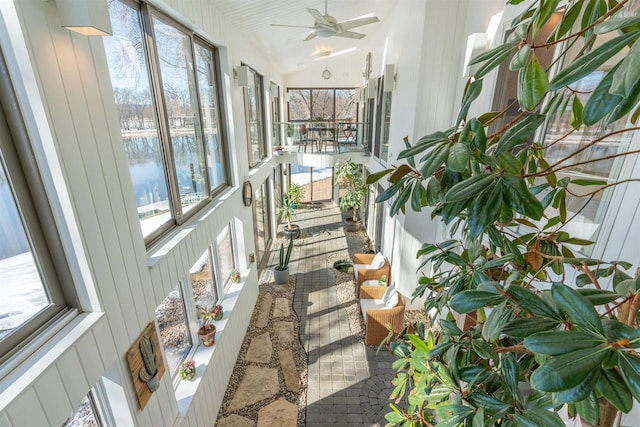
217	313
382	281
289	134
235	276
286	213
207	330
281	271
555	329
349	175
294	195
187	370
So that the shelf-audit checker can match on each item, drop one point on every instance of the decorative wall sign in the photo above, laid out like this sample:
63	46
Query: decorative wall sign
139	367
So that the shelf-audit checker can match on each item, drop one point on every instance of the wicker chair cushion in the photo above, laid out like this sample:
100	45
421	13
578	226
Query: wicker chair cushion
378	261
393	299
370	304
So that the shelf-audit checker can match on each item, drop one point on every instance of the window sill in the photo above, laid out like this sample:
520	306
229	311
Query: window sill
186	390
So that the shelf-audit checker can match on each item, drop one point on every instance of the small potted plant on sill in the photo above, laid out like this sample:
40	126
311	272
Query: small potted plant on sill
187	370
281	271
235	276
207	331
217	312
289	134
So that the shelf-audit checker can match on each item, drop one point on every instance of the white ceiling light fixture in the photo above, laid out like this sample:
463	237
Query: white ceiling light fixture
86	17
333	54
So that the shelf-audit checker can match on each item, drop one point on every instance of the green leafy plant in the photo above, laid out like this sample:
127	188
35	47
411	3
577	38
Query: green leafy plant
549	327
290	130
349	174
294	194
283	258
285	211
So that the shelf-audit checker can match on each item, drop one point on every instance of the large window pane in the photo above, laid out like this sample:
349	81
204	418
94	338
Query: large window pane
210	115
85	415
261	219
23	292
322	107
203	283
178	86
224	247
254	112
130	80
346	105
299	104
174	331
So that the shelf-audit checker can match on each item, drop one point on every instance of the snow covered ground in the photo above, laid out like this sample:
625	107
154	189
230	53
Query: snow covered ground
22	292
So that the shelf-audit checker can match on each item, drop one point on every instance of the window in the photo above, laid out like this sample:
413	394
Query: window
275	114
85	415
261	219
254	111
226	258
166	91
203	284
338	105
174	330
30	285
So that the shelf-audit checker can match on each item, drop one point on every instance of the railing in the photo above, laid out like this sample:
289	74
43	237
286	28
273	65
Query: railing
324	136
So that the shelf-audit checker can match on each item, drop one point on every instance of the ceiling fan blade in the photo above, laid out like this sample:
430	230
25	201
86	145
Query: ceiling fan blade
292	26
318	17
358	22
310	36
349	35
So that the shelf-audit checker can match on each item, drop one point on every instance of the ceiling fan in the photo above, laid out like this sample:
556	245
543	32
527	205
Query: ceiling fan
328	26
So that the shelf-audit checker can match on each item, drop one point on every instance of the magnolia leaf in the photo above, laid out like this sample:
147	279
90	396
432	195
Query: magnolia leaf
525	327
400	201
452	415
458	157
467	301
612	387
630	369
520	59
469	187
497	319
485	210
568	19
588	409
472	92
434	160
577	308
579	392
537	417
532	84
510	372
554	343
625	105
519	132
423	144
613	24
601	101
490	404
418	197
375	177
400	172
590	62
498	55
531	302
518	197
626	76
576	113
568	370
598	296
544	13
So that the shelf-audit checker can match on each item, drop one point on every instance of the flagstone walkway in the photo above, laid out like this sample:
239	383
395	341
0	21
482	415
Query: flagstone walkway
348	384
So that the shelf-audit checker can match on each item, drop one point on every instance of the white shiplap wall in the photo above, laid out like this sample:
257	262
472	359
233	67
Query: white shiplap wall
73	85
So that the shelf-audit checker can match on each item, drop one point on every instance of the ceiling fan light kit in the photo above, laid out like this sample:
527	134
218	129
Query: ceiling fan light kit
328	26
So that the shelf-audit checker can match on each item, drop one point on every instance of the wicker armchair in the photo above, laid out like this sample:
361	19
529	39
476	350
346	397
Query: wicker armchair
365	274
377	319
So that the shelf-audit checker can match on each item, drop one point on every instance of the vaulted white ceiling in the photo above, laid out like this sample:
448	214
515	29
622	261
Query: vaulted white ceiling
286	46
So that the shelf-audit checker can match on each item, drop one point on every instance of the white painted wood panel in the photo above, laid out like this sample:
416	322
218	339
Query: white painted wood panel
56	409
4	421
71	371
26	410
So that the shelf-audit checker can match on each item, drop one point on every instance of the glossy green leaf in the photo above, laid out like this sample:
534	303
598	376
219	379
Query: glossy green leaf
423	144
521	57
490	404
577	308
519	132
452	415
616	331
612	387
469	187
601	101
497	319
543	14
553	343
532	84
484	349
472	92
375	177
518	197
576	113
588	409
537	417
590	62
626	76
630	369
389	192
467	301
433	191
434	160
568	19
400	172
525	327
510	372
613	24
580	391
400	201
458	157
598	296
485	210
626	105
531	302
568	370
499	54
418	196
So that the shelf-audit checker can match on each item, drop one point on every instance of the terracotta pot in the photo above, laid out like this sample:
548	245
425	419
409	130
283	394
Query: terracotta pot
207	336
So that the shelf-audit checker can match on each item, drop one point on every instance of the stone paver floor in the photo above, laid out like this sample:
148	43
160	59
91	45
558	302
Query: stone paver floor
348	384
